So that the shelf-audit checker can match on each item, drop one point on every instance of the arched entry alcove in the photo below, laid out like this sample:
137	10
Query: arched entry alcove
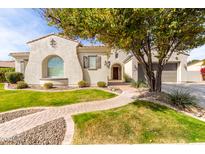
116	72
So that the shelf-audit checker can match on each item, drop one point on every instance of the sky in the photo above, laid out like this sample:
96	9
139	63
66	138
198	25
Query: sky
18	26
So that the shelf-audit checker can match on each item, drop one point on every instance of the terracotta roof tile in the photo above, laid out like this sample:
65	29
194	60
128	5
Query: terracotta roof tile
7	64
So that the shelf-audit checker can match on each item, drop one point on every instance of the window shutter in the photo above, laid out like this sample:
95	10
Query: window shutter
85	61
98	62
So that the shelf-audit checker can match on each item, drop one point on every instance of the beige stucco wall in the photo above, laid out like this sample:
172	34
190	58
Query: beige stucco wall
128	68
65	49
194	76
93	76
121	57
182	68
18	67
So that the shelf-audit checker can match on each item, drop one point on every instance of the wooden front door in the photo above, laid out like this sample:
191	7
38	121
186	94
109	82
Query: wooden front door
115	73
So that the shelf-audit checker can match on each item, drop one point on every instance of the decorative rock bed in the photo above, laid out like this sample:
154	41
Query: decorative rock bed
4	117
52	132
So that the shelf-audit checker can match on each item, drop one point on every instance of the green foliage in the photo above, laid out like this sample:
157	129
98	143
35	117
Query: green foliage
132	26
181	98
139	84
144	32
14	77
2	73
21	85
127	78
101	84
48	85
82	84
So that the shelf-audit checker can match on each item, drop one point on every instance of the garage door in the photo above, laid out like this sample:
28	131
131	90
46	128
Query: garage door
169	73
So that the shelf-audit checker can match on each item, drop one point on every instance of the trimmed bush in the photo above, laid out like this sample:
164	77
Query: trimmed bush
21	85
48	85
181	98
3	71
82	84
139	84
101	84
14	77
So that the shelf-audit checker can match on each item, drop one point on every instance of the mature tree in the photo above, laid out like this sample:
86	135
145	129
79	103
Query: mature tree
147	33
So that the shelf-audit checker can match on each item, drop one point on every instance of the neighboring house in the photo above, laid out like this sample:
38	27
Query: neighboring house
193	70
62	61
7	64
195	66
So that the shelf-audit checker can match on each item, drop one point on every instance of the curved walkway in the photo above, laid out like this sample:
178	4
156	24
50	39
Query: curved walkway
22	124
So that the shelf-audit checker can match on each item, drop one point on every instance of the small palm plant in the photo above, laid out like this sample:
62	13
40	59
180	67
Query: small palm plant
182	98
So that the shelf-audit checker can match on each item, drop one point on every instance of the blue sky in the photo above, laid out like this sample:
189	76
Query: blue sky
18	26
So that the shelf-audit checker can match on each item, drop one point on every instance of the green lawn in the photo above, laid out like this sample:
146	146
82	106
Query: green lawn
138	122
13	99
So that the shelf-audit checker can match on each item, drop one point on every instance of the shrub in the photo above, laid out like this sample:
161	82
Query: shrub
127	78
21	85
139	84
3	71
14	77
101	84
181	98
82	84
48	85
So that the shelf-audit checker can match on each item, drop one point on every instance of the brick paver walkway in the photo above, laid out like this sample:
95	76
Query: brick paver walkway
22	124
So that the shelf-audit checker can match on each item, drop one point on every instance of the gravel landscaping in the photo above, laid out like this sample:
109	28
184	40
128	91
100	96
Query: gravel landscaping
4	117
52	133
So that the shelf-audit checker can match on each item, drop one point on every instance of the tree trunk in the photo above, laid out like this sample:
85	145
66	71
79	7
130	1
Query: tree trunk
150	78
158	84
151	82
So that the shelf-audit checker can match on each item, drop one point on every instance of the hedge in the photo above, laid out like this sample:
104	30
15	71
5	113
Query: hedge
2	73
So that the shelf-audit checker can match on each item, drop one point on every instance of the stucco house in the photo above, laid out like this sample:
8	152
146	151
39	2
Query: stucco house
193	70
62	61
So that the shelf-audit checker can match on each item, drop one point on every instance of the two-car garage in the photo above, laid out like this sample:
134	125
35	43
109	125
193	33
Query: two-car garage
169	73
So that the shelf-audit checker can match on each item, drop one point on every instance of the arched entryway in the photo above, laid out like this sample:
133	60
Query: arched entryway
116	72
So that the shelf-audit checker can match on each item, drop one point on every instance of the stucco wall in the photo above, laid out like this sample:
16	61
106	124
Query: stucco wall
113	60
93	76
18	65
128	68
182	69
194	76
64	48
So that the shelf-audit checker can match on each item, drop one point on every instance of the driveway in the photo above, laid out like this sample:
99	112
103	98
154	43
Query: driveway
197	89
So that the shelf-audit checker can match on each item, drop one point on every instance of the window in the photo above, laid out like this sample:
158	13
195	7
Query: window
92	62
55	67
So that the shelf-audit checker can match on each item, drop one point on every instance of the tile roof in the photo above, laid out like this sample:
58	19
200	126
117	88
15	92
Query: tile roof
10	64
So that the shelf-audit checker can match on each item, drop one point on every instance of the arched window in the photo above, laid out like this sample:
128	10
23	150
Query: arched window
55	67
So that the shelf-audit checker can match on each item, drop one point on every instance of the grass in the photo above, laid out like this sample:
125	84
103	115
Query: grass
138	122
14	99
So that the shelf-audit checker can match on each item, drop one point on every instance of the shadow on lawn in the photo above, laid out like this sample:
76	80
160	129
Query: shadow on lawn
150	105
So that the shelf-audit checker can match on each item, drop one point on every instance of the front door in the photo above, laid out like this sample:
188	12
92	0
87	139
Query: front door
115	73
